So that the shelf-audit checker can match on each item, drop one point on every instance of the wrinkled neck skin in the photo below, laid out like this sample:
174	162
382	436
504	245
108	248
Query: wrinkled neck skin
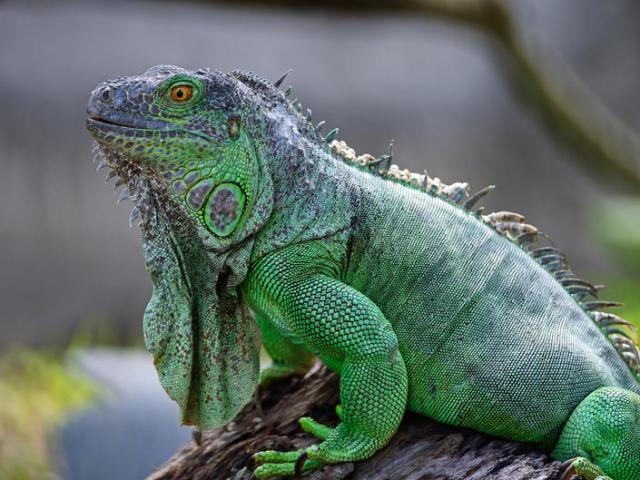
309	200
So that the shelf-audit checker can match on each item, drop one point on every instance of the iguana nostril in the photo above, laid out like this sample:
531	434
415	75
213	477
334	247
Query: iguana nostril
106	95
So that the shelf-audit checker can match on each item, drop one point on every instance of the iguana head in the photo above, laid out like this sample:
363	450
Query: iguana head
178	141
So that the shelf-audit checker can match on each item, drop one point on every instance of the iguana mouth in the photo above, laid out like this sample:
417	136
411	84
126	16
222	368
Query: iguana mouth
97	119
103	122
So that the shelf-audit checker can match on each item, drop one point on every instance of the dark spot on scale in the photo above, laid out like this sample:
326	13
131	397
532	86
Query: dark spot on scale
140	148
198	193
179	187
191	177
128	145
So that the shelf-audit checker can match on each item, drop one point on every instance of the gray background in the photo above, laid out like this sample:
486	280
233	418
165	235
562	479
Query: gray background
68	260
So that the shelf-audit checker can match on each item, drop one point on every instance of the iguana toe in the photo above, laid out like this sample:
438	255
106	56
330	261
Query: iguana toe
300	462
275	467
568	470
316	429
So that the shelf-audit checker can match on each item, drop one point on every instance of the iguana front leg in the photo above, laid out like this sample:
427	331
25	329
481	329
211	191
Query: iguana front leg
351	335
289	358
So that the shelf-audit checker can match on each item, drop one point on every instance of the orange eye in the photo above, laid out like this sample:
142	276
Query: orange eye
181	93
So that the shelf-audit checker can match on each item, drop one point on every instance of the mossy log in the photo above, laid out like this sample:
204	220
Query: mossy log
422	448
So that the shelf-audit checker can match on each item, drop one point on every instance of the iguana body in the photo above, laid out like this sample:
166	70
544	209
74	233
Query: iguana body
416	302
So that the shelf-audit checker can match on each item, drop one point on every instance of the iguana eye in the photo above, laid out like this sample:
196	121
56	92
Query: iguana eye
181	93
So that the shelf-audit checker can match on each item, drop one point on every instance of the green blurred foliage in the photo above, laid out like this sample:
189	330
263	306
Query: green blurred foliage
615	223
37	393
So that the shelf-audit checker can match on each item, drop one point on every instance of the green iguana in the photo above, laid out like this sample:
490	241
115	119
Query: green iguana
388	277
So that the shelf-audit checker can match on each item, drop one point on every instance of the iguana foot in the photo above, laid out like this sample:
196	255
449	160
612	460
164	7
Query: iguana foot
584	468
336	448
272	463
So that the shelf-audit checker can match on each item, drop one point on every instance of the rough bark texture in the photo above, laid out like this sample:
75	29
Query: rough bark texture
422	448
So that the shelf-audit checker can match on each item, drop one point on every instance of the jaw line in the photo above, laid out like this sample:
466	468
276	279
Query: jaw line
104	117
100	129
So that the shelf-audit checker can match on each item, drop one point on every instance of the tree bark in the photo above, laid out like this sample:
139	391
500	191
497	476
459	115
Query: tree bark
421	449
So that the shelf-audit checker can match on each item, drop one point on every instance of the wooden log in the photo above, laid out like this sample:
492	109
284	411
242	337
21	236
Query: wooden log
422	448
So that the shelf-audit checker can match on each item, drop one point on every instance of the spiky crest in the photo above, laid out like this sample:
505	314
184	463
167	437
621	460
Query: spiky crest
512	225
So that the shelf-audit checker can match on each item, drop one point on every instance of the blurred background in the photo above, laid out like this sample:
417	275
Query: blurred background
79	397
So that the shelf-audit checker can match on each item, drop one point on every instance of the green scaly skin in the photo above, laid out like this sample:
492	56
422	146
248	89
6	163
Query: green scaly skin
417	303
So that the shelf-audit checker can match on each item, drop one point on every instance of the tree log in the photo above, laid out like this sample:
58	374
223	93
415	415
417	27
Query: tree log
422	448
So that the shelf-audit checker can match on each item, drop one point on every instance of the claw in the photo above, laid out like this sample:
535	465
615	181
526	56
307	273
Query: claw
252	463
569	469
300	462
